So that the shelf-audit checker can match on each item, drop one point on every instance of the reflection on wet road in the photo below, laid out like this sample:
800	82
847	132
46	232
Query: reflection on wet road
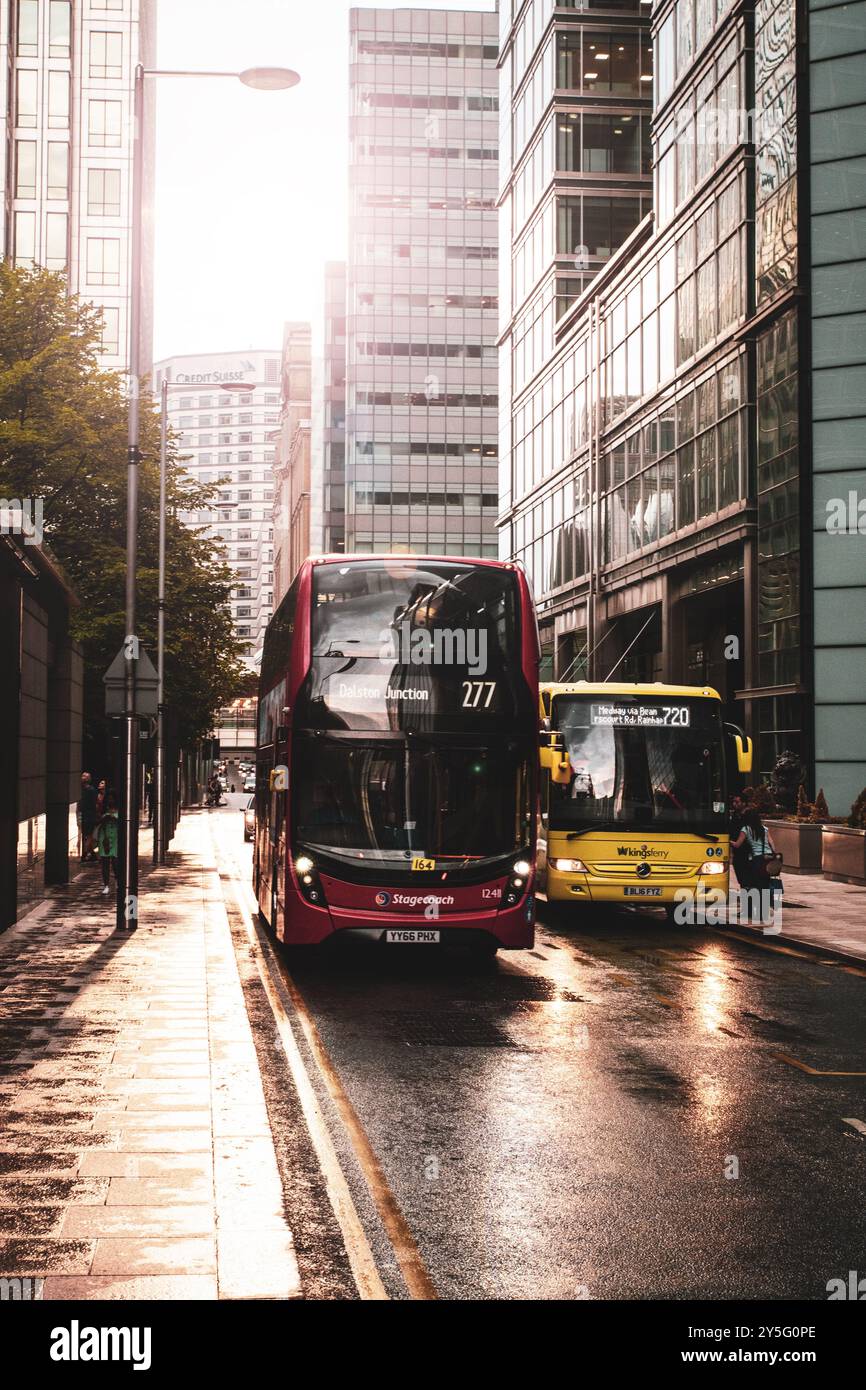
621	1113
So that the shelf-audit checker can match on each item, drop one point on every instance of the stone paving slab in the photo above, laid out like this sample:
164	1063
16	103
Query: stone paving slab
136	1155
822	915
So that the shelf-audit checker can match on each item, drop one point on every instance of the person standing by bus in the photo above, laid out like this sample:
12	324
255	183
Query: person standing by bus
764	863
87	816
739	857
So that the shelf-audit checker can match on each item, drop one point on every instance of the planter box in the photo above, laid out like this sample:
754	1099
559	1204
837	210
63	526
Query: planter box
799	843
845	852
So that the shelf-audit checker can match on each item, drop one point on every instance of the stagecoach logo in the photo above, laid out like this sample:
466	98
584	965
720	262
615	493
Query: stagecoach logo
443	646
643	852
383	899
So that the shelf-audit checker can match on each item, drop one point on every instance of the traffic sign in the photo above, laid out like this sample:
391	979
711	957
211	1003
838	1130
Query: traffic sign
146	681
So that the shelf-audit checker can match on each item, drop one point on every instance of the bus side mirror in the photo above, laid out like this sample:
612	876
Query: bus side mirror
554	758
743	745
278	779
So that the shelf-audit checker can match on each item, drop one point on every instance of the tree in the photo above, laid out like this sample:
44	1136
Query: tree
63	438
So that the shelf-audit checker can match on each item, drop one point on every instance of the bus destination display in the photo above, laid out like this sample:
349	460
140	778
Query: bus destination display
639	716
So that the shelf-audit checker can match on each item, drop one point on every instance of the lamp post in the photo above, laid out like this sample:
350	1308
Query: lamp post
261	79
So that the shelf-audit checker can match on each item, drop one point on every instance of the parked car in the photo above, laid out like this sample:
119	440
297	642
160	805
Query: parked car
250	818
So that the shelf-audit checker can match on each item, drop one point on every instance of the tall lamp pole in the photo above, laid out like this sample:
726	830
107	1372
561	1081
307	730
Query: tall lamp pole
261	79
159	789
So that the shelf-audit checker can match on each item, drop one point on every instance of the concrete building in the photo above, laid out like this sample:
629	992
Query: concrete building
292	468
226	433
328	441
66	86
421	374
672	467
41	677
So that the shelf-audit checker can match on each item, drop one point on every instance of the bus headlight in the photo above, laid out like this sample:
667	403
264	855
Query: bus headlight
568	866
309	883
713	866
522	868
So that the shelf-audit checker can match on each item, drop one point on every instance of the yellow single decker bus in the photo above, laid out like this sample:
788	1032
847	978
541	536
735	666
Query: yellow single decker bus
634	795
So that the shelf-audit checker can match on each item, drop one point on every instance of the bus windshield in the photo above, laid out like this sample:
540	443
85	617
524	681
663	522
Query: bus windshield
639	763
371	800
416	645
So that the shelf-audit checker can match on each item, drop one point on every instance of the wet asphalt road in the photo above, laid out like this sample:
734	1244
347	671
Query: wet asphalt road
616	1114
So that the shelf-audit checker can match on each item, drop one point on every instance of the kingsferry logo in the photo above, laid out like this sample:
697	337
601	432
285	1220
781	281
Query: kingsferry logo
643	852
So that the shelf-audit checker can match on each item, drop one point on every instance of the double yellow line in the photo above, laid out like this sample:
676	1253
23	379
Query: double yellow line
361	1259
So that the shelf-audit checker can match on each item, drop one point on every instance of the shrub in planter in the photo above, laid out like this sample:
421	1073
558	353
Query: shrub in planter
857	818
786	777
805	807
820	811
760	798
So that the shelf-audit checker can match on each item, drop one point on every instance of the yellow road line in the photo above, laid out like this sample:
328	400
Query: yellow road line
359	1254
408	1256
418	1281
811	1071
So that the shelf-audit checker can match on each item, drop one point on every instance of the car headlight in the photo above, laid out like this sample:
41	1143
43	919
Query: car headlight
713	866
568	866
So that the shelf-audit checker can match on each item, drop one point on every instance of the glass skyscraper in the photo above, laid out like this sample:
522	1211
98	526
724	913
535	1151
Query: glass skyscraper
421	361
672	453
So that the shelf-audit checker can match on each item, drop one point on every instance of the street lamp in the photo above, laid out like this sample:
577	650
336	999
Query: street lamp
260	79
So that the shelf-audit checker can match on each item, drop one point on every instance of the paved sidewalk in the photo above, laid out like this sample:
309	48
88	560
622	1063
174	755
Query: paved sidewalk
136	1156
822	914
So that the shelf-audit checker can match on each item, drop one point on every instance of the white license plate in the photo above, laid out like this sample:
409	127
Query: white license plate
416	936
642	892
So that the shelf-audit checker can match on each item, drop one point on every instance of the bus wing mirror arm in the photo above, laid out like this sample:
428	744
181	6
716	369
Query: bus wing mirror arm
554	758
743	746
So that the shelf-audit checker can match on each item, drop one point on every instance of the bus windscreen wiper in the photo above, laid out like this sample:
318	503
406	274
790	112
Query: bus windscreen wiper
633	830
596	825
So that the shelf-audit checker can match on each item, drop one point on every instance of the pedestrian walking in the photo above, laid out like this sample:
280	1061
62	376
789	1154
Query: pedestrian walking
150	794
86	816
106	843
101	799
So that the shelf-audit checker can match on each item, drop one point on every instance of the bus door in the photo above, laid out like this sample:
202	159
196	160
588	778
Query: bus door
278	835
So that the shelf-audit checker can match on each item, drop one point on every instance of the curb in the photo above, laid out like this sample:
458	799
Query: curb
812	947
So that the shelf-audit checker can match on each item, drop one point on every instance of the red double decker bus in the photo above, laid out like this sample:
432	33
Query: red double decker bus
397	753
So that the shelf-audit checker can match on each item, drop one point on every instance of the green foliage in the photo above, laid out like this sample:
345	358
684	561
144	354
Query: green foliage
857	818
63	437
820	811
805	807
760	798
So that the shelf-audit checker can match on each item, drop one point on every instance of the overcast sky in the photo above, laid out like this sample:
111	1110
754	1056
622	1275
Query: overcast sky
251	186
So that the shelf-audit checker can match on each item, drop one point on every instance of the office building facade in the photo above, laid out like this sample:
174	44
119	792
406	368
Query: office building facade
670	469
224	408
293	491
328	507
421	361
66	94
